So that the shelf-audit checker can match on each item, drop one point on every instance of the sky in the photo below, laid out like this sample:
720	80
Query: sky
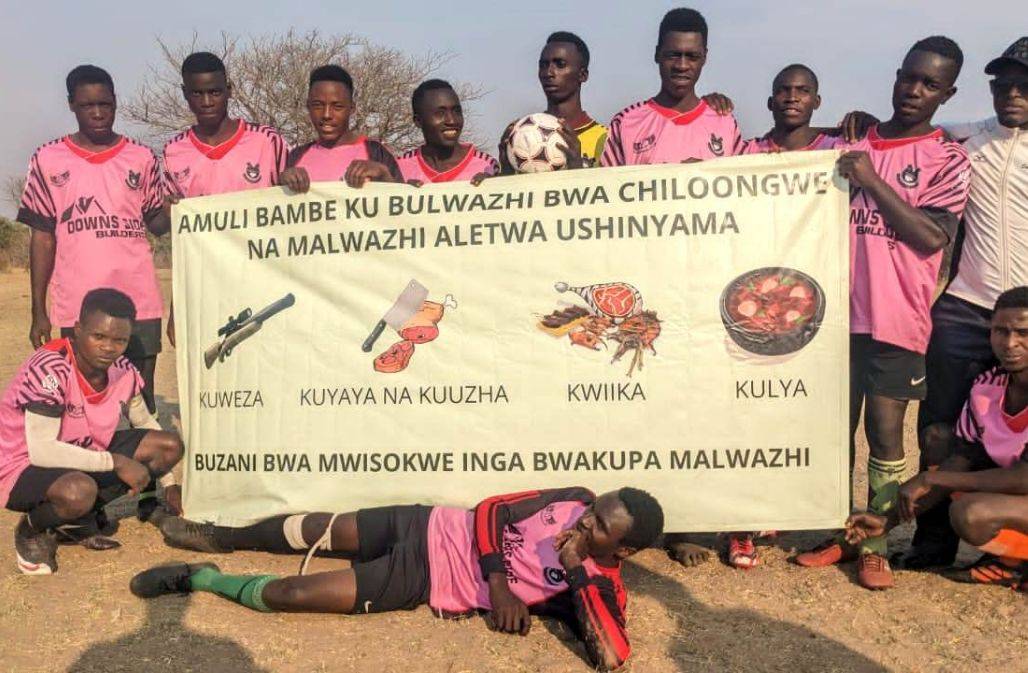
855	48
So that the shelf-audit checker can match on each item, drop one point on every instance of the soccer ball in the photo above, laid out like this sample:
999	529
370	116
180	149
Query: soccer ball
535	145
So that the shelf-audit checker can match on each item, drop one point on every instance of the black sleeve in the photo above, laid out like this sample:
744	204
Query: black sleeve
378	152
295	154
945	220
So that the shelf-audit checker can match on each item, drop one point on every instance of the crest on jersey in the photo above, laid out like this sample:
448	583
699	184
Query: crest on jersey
75	410
644	144
252	174
909	176
547	516
554	576
133	181
716	145
60	179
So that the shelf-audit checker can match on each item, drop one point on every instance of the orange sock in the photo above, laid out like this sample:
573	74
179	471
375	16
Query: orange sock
1008	543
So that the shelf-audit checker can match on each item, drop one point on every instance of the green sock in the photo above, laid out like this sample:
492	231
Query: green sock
883	477
243	589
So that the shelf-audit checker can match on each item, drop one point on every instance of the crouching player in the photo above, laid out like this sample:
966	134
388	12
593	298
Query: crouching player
555	553
987	474
61	457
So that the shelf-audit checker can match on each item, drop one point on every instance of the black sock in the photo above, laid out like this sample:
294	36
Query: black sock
43	517
266	535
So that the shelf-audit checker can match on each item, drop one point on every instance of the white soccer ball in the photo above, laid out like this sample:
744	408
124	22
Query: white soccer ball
535	145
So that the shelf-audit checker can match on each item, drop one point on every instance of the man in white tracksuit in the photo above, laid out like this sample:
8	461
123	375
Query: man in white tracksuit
994	258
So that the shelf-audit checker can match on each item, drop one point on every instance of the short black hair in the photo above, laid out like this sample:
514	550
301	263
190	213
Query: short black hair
202	62
943	46
647	518
425	87
331	73
1015	297
796	66
571	38
87	74
109	301
682	20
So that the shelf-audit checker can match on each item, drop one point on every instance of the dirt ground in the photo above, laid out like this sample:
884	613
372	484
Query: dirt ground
777	617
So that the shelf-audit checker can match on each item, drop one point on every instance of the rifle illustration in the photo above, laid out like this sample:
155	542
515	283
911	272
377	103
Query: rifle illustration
242	327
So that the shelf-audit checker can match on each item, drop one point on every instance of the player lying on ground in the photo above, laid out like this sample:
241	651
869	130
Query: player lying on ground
61	458
555	553
339	152
986	474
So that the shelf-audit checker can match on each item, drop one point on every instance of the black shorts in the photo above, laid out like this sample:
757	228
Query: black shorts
32	484
958	352
883	369
391	567
144	343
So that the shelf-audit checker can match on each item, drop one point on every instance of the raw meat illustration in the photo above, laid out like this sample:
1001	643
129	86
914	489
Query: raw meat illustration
421	328
614	314
617	301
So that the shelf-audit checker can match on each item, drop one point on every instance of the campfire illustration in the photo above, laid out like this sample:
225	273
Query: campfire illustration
415	319
613	312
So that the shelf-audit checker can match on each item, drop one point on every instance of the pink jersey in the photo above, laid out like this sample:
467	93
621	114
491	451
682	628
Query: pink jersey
534	571
97	205
891	283
252	158
984	422
765	144
329	164
49	383
648	133
413	166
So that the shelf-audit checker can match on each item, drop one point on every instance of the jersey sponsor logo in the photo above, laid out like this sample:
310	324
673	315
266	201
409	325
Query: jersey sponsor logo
252	174
547	517
60	179
133	181
909	176
554	576
716	145
646	143
83	205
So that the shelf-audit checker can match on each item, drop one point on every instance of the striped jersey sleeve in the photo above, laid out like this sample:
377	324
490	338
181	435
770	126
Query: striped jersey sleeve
279	147
44	385
948	188
967	427
153	188
37	208
613	150
600	613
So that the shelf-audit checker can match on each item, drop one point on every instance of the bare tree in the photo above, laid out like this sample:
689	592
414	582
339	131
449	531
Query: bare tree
269	79
13	187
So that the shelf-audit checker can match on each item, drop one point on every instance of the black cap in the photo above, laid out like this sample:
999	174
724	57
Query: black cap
1015	53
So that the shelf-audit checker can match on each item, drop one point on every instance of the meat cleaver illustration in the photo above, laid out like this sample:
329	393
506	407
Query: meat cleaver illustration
406	305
